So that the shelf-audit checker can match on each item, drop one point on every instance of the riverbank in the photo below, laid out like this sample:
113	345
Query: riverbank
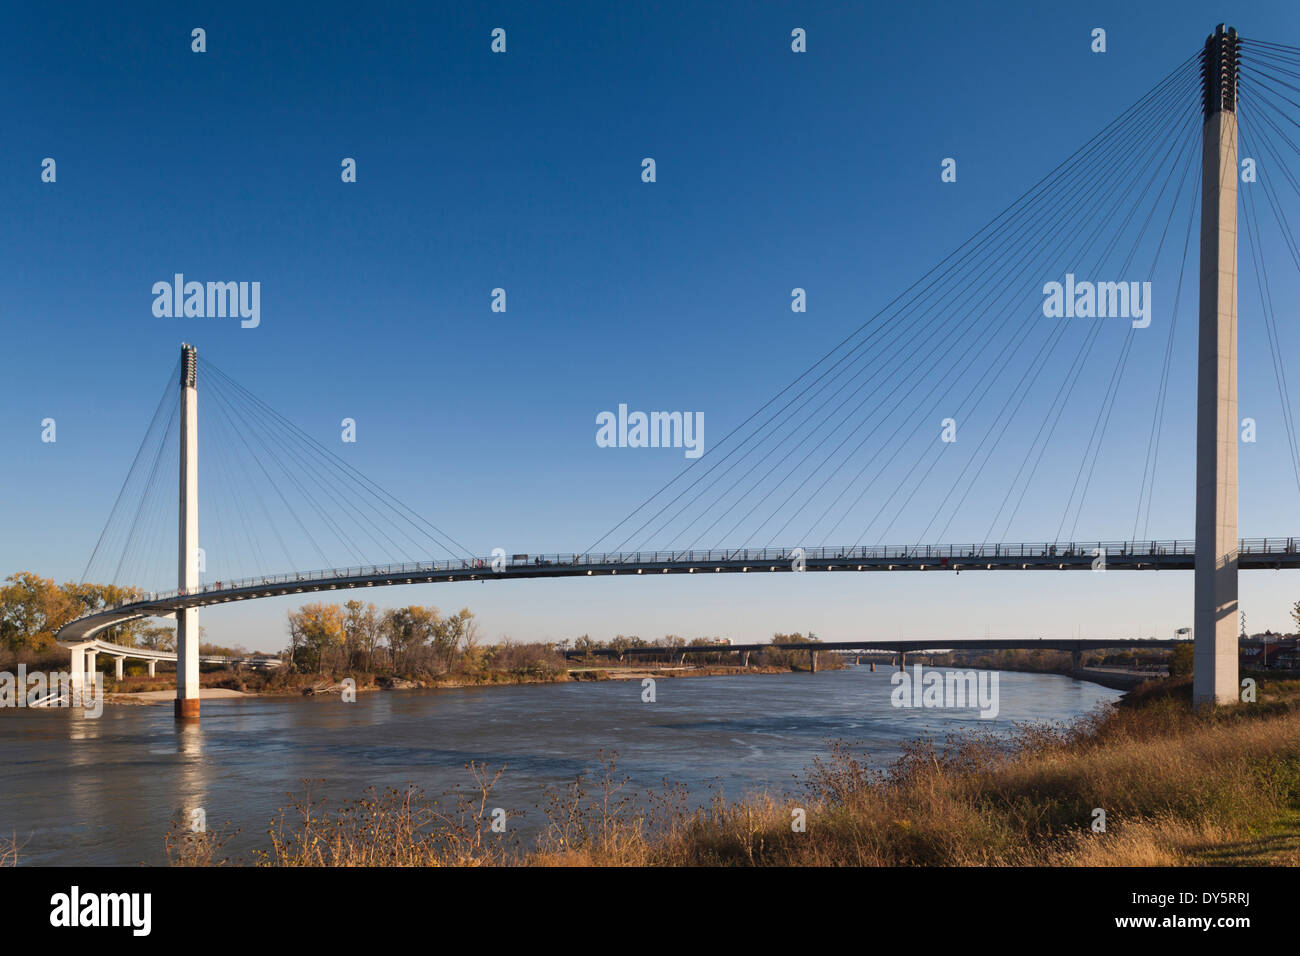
216	684
974	799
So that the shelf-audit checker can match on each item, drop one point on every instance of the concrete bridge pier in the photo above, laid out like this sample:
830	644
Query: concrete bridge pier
812	660
78	675
153	668
117	666
744	658
1076	660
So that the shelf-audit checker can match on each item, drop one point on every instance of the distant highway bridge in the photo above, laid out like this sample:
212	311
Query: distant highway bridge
901	647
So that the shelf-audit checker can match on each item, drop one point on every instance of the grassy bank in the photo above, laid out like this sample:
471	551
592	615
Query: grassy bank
1177	788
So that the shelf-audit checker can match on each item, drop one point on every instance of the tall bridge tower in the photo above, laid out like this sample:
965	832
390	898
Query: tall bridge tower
187	619
1214	678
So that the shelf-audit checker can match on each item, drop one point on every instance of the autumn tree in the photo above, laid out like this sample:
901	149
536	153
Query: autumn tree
315	628
450	633
408	628
32	609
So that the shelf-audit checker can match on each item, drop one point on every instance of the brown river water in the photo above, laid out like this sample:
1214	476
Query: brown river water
105	791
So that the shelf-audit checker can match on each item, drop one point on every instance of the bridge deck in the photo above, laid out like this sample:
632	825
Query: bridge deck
1176	555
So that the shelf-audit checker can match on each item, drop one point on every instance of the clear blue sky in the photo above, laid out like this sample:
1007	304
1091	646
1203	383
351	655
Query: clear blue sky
523	171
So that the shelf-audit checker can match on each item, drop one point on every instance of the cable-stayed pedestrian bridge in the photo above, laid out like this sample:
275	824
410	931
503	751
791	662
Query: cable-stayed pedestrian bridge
935	415
1174	555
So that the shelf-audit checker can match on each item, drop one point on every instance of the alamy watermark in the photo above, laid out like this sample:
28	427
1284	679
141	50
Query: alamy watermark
212	300
1098	300
947	689
55	689
651	430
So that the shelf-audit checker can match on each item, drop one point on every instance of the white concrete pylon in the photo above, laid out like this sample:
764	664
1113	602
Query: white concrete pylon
1214	668
187	619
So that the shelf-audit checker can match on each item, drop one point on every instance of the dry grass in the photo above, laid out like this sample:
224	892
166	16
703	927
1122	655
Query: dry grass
1177	788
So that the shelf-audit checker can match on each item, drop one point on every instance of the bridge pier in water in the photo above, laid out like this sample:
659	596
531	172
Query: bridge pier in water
812	661
78	673
187	619
1214	672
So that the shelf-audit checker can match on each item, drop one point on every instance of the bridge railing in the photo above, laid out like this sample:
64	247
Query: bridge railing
730	557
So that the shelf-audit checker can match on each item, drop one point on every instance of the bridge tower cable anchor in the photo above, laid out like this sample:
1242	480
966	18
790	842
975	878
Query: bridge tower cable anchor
1214	677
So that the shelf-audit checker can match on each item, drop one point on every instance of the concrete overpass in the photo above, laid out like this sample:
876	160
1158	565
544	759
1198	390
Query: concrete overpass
84	654
900	647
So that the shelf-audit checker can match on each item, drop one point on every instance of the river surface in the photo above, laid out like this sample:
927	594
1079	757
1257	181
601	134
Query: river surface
80	791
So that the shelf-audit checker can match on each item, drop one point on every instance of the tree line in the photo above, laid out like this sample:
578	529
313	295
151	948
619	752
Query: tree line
33	608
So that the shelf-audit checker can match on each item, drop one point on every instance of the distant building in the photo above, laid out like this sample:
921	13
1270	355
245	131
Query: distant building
1271	651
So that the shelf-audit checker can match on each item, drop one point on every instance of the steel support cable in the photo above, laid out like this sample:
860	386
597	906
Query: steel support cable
1029	265
1272	77
1018	213
168	391
1170	77
1057	412
1025	386
1151	460
157	558
1054	339
140	531
1267	92
143	500
1098	425
1122	172
924	340
1026	381
226	479
214	538
917	337
1053	417
252	431
1253	242
1274	200
251	485
340	487
276	488
1287	235
158	528
1102	420
339	493
1122	362
1256	245
929	448
344	470
115	537
355	553
370	486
